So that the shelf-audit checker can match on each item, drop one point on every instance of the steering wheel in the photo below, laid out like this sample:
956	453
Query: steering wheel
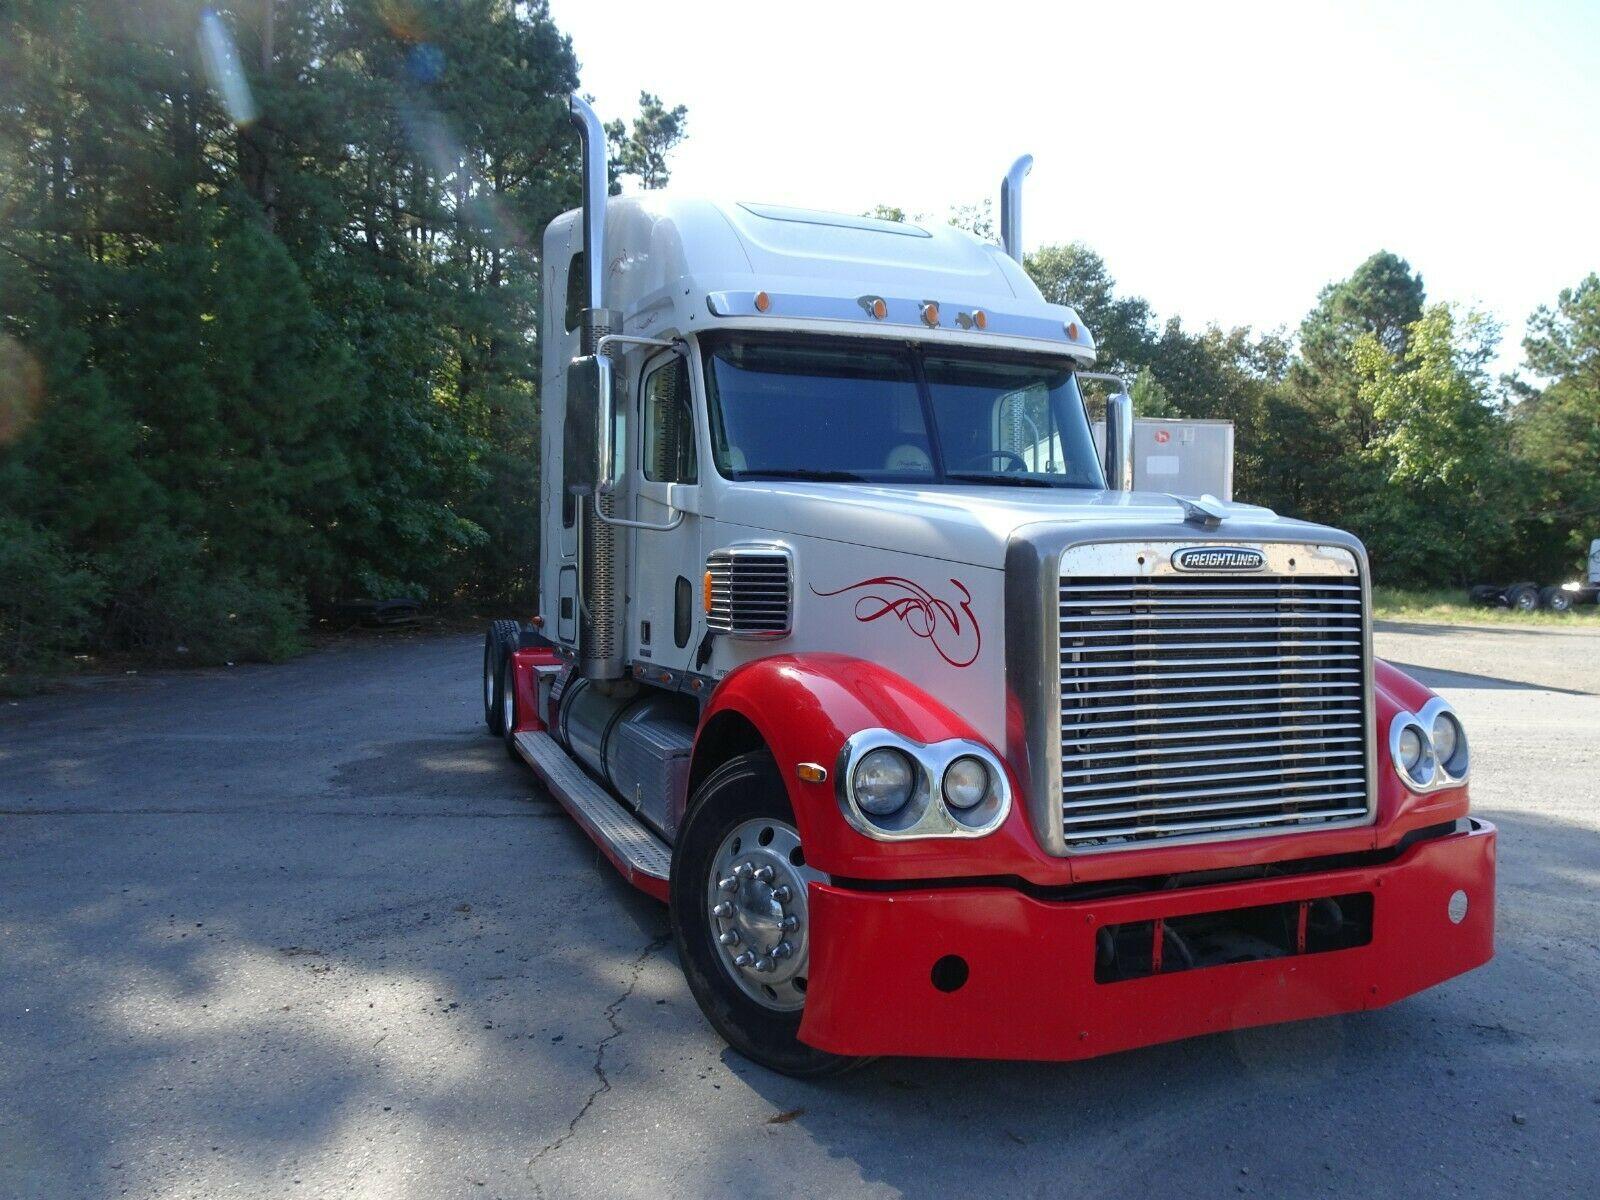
1016	461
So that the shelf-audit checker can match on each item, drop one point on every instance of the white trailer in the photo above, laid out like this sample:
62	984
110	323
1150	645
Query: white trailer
1180	456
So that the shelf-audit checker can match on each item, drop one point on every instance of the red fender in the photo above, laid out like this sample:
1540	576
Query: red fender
1399	808
804	706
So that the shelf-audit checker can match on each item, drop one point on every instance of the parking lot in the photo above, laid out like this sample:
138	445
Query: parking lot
304	931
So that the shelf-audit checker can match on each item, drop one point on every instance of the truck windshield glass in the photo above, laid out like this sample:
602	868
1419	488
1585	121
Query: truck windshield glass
849	411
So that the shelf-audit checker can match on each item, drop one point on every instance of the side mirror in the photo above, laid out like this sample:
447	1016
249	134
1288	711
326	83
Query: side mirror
589	433
1119	442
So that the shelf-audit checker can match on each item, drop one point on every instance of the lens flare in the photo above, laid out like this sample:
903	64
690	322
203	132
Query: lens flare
221	59
21	389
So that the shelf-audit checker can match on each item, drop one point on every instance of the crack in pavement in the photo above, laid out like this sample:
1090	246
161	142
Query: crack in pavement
604	1084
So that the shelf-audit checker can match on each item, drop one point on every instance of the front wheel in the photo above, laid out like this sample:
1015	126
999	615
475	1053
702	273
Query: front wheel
740	917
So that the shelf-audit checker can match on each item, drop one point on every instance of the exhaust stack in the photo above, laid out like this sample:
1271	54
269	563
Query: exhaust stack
1011	206
600	633
591	133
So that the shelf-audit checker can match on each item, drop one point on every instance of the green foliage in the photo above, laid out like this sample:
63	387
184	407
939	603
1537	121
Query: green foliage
1558	428
977	219
1441	447
1382	419
1075	275
255	366
1150	399
642	150
46	600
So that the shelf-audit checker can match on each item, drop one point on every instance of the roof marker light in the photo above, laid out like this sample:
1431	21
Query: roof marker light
980	318
763	302
930	312
1071	329
874	307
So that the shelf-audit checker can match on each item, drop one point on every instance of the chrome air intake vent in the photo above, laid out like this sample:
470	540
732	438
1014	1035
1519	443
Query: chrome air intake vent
751	591
1208	703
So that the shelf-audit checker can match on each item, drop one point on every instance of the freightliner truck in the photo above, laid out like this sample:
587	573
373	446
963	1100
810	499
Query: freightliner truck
936	737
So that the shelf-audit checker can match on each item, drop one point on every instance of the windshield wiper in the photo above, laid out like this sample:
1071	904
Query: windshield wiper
818	474
996	478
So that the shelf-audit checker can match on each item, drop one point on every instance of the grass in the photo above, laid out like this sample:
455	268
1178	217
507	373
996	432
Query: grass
1448	606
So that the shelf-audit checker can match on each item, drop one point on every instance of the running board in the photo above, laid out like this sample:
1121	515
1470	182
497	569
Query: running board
643	858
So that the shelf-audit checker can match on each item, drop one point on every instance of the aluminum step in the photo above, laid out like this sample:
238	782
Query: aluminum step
617	831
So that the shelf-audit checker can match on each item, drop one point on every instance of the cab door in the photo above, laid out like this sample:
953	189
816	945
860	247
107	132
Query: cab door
665	613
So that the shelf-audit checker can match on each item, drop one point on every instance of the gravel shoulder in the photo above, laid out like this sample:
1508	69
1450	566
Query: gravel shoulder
303	930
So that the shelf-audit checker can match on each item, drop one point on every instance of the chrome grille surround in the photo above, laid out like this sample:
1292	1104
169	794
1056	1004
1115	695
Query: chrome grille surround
1154	726
752	590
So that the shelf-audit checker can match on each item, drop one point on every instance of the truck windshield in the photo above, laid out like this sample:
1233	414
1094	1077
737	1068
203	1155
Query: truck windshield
896	414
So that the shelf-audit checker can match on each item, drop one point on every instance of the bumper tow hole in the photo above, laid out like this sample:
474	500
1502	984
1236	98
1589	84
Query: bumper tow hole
950	973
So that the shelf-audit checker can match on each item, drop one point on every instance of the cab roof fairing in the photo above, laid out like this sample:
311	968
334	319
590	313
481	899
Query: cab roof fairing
670	258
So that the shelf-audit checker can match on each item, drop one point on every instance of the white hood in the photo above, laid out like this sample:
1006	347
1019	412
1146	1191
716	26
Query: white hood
969	525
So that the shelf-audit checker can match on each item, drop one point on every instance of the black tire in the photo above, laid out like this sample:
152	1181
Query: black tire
1556	600
1483	594
1524	597
742	789
507	690
500	639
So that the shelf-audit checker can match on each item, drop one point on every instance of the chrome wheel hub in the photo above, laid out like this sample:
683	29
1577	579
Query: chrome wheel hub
756	905
508	703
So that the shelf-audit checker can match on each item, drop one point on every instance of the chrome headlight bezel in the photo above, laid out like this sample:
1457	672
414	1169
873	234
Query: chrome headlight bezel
1440	775
926	814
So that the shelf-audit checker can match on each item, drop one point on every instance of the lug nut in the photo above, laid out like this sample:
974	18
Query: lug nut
781	893
743	871
731	938
723	910
782	950
765	965
789	923
730	884
764	874
744	960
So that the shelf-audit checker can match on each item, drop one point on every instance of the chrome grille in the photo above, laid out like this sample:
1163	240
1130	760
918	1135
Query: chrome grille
1196	706
751	592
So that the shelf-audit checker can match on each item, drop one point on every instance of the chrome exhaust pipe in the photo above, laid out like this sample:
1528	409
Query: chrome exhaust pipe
600	565
1011	206
592	136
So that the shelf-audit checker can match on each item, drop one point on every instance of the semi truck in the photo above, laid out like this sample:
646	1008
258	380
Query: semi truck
1529	596
934	736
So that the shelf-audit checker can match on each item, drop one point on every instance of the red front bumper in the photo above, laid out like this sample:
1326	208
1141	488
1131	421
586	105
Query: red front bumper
1030	989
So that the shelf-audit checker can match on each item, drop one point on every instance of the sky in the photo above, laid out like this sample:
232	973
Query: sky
1227	160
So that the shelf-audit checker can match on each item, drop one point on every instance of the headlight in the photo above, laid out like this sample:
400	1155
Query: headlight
966	783
883	781
1450	744
1416	756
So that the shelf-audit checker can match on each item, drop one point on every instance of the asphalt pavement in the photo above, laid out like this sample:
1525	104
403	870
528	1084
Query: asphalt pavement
305	931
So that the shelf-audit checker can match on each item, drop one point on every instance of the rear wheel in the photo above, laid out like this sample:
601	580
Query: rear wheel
740	919
1484	594
1556	600
498	642
508	705
1524	598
